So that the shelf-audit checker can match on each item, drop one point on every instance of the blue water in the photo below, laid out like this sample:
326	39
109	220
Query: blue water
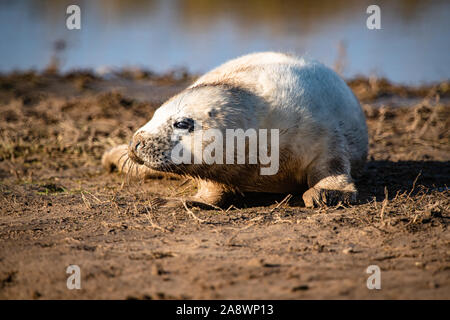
412	47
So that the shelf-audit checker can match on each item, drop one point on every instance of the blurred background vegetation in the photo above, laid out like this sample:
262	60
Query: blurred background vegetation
412	47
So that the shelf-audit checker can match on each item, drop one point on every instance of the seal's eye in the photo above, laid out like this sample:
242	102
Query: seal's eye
184	124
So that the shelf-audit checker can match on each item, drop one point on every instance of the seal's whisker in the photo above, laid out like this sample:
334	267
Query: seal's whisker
129	165
124	164
136	167
123	155
130	172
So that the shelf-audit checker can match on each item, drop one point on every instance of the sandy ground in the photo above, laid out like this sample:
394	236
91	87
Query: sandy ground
59	207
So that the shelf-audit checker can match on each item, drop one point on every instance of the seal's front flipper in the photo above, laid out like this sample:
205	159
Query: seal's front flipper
316	197
330	183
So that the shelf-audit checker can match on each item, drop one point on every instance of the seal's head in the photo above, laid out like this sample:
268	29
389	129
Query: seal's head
179	121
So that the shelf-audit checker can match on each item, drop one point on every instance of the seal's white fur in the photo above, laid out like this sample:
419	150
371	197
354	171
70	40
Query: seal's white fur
324	133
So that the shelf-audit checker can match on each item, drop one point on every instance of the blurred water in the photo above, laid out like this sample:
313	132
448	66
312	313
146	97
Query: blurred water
412	47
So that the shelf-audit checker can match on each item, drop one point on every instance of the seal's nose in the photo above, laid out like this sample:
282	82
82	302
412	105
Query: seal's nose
133	148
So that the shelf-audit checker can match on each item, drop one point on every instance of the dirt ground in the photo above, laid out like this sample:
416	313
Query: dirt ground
59	207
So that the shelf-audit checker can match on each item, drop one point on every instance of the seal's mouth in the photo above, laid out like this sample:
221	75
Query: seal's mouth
133	156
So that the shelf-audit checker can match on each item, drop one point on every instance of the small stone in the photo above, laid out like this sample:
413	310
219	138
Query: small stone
255	262
302	287
348	250
433	285
157	270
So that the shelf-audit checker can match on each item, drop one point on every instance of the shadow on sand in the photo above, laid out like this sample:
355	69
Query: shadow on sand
397	177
